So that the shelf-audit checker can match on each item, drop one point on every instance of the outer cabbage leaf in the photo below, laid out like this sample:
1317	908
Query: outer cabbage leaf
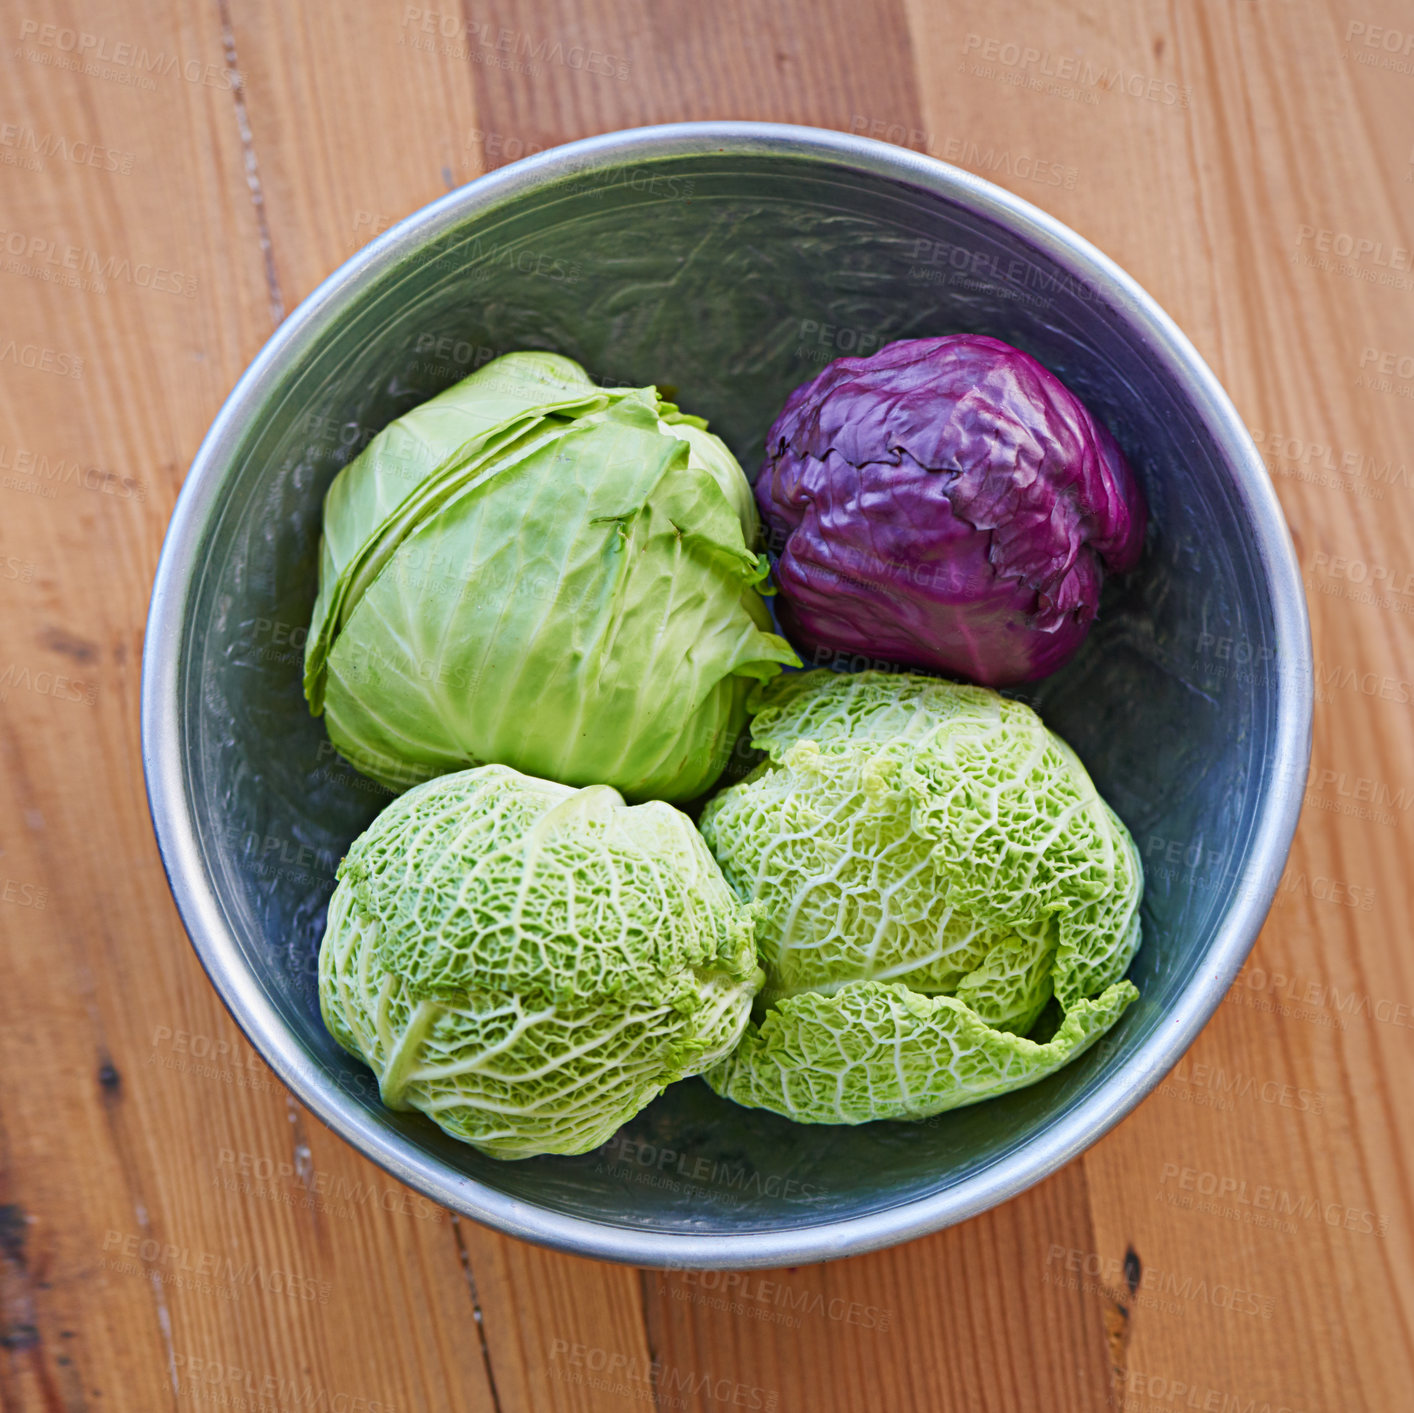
530	964
877	1050
711	453
415	457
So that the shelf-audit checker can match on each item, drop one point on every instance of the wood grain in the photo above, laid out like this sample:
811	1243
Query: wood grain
175	1231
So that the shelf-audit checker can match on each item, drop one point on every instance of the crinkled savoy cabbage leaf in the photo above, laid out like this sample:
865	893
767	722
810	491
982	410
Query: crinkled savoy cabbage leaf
877	1050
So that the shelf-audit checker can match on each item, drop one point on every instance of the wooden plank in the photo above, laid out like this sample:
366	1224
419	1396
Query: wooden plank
176	1226
1228	195
100	1151
962	1319
1249	163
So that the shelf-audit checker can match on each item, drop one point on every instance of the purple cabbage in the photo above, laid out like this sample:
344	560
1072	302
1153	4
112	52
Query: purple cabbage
947	504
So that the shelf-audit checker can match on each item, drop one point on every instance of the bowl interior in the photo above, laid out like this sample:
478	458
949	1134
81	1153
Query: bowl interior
729	277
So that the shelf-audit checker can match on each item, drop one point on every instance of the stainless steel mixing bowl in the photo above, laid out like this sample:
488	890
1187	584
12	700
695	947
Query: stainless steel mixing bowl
728	262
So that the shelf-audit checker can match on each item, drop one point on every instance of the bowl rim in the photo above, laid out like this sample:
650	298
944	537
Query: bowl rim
244	995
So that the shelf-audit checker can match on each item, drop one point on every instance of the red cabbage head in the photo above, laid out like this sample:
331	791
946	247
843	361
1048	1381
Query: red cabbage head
948	504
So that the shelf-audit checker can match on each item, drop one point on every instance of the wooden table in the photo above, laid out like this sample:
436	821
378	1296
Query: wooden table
1244	1241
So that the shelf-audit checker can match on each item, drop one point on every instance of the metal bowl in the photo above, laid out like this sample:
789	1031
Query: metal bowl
728	262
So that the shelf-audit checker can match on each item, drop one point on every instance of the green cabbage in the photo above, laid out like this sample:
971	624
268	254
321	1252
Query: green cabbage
949	905
533	570
530	964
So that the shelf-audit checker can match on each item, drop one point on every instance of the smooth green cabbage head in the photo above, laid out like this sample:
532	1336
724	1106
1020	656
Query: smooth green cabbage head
535	571
530	964
948	903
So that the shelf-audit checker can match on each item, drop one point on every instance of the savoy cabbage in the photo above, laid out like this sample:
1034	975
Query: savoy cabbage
948	905
530	964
